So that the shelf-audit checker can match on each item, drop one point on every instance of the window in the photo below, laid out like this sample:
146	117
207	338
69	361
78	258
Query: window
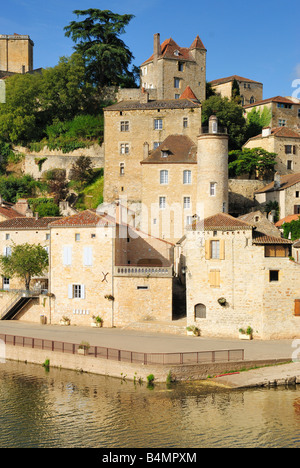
87	256
164	177
162	203
7	251
274	275
252	100
297	194
215	249
124	148
164	154
288	149
5	283
122	169
277	251
124	126
77	237
200	311
7	236
185	122
177	83
213	189
67	255
187	177
47	236
289	165
181	66
177	96
297	307
282	122
76	291
186	203
189	220
158	124
156	144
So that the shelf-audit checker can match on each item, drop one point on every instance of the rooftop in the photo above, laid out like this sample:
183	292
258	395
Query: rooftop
285	182
279	132
153	104
175	149
87	218
287	219
21	223
232	78
280	99
169	46
220	222
260	238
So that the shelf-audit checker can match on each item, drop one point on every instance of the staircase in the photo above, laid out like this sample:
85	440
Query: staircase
17	303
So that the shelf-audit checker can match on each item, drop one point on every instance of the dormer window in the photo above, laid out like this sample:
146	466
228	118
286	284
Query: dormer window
164	154
176	53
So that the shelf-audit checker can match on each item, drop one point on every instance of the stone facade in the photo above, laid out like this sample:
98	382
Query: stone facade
250	91
283	141
284	111
259	290
16	53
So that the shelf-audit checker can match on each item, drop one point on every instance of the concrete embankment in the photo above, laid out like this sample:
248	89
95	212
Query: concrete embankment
273	376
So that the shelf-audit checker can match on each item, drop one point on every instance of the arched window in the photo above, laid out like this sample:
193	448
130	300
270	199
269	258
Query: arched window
252	100
200	311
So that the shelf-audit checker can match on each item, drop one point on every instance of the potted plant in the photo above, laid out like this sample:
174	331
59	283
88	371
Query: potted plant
192	330
64	320
97	321
83	348
222	301
246	334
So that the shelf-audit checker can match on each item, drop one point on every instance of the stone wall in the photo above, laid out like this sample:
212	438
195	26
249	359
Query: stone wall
241	195
57	159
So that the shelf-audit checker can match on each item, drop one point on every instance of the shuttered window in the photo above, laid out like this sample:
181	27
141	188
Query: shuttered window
215	249
277	251
297	307
67	255
88	256
214	278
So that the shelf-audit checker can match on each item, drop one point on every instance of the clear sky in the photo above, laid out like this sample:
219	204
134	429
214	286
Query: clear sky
259	40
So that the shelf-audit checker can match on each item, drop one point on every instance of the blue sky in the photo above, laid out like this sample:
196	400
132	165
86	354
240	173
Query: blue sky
259	40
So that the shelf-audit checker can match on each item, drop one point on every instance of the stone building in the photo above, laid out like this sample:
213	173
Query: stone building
250	91
238	277
16	54
283	141
285	112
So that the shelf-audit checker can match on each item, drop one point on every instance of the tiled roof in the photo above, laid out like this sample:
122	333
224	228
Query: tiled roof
280	99
27	223
169	46
179	149
280	132
84	219
220	222
9	212
157	104
287	219
260	238
188	94
232	78
285	182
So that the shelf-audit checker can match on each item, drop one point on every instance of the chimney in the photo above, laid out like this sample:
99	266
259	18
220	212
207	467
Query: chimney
213	124
157	48
266	131
146	150
36	215
277	181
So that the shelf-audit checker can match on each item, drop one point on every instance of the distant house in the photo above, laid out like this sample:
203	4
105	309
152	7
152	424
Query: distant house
250	91
285	111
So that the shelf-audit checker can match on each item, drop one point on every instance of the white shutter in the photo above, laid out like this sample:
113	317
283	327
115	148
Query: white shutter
67	255
70	291
82	291
87	256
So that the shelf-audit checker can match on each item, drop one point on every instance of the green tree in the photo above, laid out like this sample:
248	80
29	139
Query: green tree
12	188
236	95
292	229
82	169
256	162
230	115
26	260
256	121
97	41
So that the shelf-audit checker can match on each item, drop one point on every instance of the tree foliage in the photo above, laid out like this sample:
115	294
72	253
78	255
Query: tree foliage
292	229
257	120
230	115
97	41
256	162
82	169
26	260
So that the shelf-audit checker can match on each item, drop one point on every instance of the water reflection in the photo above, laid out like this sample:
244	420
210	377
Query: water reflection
67	409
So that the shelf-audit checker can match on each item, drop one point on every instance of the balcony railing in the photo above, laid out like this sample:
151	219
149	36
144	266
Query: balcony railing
144	271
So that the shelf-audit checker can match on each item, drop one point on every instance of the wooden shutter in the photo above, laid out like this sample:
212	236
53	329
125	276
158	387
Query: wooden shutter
297	307
87	256
207	250
214	278
70	291
222	250
67	255
82	292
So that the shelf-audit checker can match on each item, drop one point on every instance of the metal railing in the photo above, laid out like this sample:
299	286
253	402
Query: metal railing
143	271
16	296
194	357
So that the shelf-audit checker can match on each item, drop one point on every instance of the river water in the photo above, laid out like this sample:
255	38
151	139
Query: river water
66	409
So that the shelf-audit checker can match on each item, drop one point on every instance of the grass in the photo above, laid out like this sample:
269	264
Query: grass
91	195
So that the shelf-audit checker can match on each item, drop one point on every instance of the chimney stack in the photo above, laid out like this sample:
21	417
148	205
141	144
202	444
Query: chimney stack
266	131
277	181
157	48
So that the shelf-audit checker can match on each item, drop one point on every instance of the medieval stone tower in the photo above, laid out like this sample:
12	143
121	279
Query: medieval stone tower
16	53
172	68
212	161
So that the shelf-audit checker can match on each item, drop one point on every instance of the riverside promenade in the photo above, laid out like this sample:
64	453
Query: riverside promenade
256	351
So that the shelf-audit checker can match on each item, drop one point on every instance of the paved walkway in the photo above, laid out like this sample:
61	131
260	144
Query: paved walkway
149	342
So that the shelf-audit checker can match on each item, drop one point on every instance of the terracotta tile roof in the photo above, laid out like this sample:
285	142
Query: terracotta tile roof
280	99
157	104
220	222
280	132
231	78
84	219
260	238
27	223
285	182
188	94
287	219
9	212
180	149
169	46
